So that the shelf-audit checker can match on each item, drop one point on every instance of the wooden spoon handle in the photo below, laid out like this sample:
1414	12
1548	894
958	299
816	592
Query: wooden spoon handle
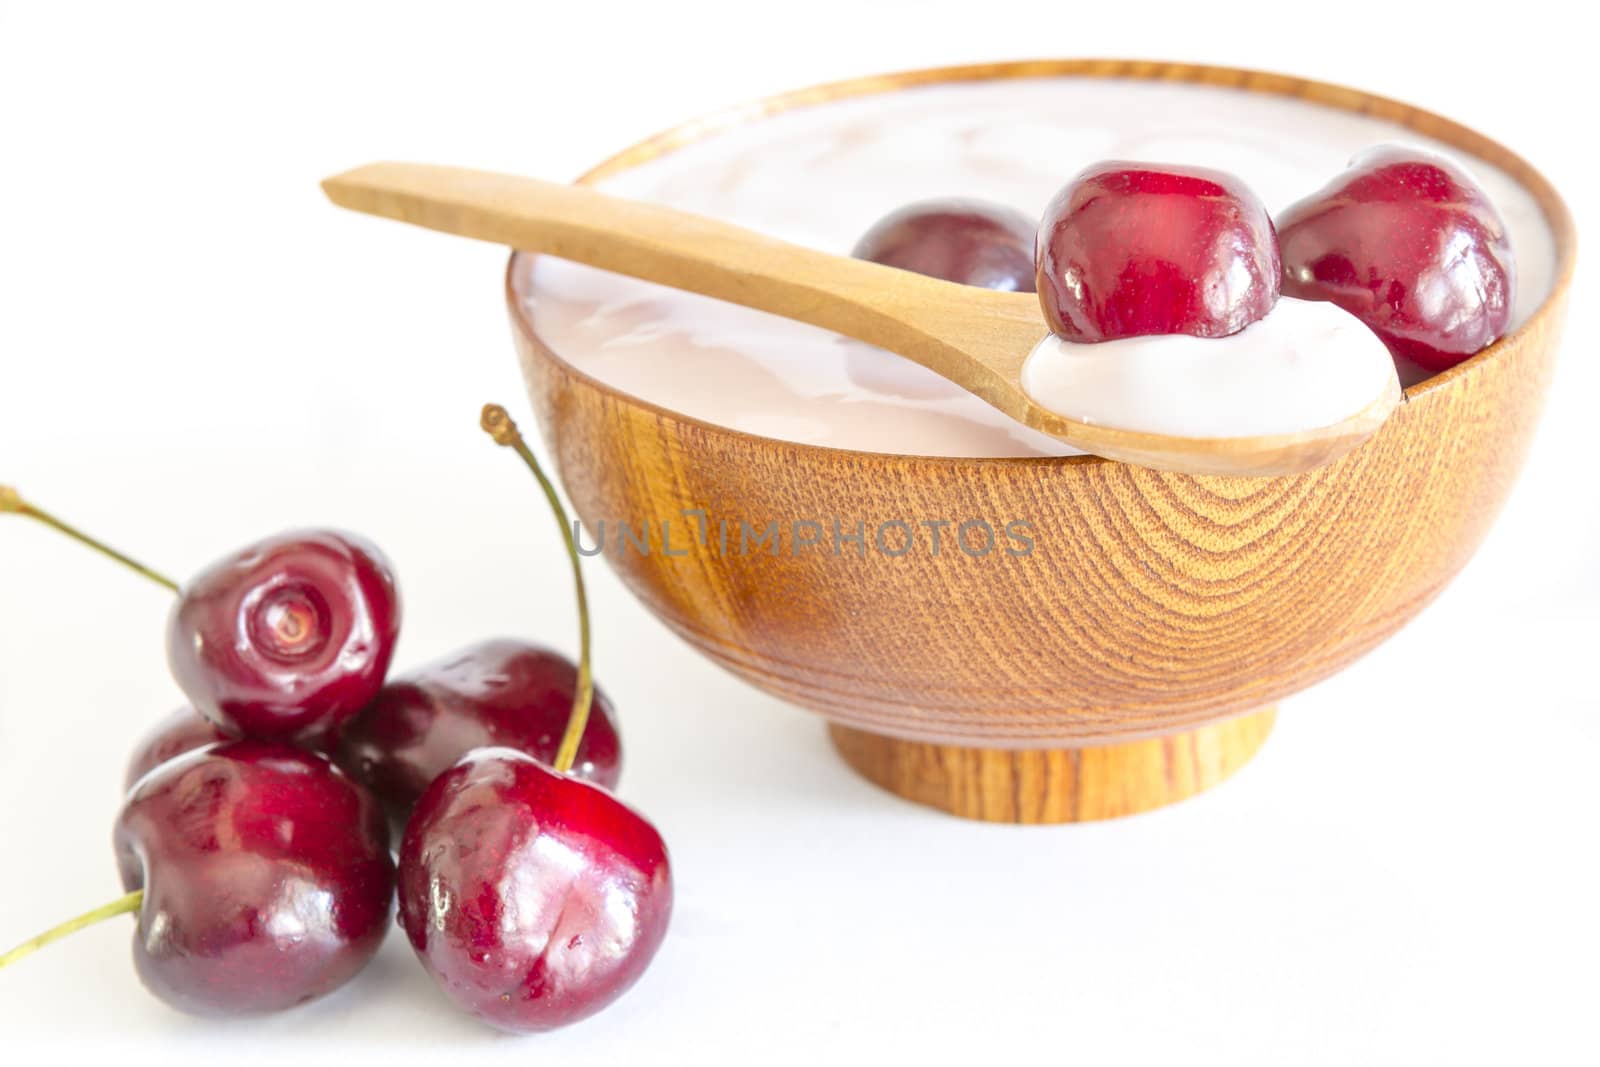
654	243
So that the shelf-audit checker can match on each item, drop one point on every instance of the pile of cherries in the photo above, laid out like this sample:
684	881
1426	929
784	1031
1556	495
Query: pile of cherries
1403	239
254	838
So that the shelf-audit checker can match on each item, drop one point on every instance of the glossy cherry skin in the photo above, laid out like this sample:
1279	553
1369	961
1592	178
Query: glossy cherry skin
1406	242
287	638
266	875
182	731
968	241
1128	249
498	693
534	899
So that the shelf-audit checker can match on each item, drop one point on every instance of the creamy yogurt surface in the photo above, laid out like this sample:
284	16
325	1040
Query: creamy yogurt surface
821	175
1306	366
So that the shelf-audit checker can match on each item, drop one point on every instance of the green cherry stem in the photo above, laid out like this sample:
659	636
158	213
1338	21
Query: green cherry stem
11	501
496	422
120	906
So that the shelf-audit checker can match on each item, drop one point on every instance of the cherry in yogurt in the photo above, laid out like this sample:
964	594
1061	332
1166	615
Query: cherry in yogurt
972	242
1407	242
1130	249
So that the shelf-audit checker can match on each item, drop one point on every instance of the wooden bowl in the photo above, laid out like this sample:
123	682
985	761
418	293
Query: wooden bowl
1135	657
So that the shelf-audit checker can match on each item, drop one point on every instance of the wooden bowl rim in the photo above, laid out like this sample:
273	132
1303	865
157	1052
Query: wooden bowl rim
1309	91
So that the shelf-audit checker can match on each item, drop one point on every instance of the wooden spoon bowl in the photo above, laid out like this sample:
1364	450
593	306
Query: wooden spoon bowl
1135	656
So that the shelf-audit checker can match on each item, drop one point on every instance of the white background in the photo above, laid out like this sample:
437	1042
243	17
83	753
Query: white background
196	350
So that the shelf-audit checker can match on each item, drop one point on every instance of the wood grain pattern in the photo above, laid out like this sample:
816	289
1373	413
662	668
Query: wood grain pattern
1153	602
978	338
1056	785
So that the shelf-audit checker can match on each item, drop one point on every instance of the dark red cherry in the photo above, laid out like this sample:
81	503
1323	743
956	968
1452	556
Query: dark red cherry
182	731
1406	242
532	898
266	876
287	638
503	693
284	639
968	241
1128	249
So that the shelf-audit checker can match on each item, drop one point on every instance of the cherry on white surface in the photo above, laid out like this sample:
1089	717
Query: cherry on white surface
1405	874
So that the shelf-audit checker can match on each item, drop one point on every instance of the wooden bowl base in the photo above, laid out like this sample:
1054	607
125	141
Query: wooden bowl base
1056	785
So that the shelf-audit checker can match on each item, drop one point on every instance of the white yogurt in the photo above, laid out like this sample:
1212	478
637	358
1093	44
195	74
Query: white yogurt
1307	365
821	175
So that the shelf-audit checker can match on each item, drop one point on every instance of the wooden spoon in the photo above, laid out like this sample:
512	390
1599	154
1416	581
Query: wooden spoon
977	338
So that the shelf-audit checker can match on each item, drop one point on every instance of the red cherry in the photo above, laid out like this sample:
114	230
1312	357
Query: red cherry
501	693
287	638
532	898
182	731
966	241
1405	241
266	877
261	876
1128	249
